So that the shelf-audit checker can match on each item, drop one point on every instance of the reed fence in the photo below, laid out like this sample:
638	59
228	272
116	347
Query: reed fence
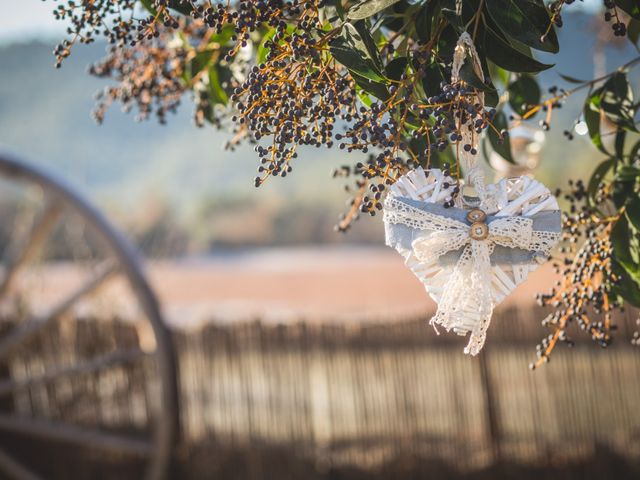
303	400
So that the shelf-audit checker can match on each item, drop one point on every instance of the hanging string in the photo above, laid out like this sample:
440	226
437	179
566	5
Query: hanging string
473	173
459	7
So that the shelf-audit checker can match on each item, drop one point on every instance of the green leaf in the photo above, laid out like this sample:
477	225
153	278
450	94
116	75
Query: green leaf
616	101
200	62
502	148
632	212
634	153
363	29
363	96
628	173
524	93
177	5
202	59
525	21
337	4
591	113
148	6
217	95
350	50
624	185
424	20
597	177
397	67
625	244
225	35
263	51
412	122
368	8
469	76
500	74
417	145
432	79
399	15
570	79
491	98
184	8
627	288
506	56
447	43
377	89
632	7
619	142
633	31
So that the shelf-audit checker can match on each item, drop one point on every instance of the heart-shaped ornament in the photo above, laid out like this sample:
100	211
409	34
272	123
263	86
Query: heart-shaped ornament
472	255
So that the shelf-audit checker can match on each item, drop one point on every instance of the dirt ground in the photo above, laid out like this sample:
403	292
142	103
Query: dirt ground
321	284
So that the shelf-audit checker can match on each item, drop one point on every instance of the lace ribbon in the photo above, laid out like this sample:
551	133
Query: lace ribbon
467	292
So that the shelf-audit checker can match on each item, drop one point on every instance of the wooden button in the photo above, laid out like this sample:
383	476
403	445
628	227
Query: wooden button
478	231
476	215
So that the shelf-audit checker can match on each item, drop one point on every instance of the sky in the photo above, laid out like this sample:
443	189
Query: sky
27	19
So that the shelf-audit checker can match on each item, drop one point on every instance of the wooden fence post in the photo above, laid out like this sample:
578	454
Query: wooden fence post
491	408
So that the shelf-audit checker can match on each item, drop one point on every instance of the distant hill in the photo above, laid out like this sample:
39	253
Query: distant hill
45	113
125	166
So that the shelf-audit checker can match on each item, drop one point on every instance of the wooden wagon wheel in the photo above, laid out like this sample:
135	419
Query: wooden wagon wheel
22	417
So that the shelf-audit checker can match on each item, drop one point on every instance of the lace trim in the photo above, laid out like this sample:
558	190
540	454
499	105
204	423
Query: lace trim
512	232
399	212
466	304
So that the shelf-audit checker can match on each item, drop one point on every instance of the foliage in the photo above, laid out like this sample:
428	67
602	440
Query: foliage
289	73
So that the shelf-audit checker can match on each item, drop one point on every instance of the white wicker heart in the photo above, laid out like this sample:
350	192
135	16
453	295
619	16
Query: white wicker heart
470	259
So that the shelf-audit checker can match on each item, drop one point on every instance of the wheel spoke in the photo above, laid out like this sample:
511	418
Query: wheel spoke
91	366
15	469
63	432
159	437
28	329
27	248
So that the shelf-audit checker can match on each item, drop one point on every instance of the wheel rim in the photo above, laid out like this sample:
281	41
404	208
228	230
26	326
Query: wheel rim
121	260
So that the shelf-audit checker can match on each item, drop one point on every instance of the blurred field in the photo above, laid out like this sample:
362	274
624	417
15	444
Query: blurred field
318	284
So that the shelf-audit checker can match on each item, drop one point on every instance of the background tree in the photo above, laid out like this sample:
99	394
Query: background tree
373	76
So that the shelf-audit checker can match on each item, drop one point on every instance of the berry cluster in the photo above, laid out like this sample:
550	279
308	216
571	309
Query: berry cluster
138	36
294	97
555	102
248	16
583	295
149	80
612	14
357	195
555	8
438	121
87	20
